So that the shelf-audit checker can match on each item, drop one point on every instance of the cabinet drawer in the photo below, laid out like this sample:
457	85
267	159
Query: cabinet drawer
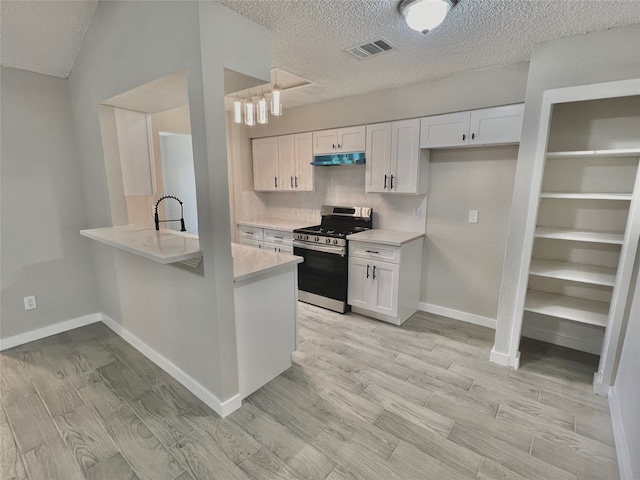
278	247
278	237
245	231
250	242
375	251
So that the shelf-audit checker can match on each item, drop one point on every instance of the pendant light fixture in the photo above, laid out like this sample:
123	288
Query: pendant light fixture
237	110
276	106
262	110
425	15
249	111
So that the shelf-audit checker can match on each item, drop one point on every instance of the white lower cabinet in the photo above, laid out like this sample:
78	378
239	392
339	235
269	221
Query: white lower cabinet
280	241
384	281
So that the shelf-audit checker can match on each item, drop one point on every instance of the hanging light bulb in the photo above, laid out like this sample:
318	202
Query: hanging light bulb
249	112
263	110
237	110
276	105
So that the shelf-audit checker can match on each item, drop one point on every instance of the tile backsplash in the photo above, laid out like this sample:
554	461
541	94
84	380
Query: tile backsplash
338	185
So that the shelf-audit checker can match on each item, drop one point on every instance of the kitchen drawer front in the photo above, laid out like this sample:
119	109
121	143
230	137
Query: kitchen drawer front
278	236
250	242
278	247
254	233
375	251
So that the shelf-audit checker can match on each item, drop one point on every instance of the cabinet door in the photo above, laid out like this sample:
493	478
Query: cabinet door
359	284
352	139
450	130
250	242
304	171
136	153
286	162
496	125
378	153
325	142
405	156
386	282
265	163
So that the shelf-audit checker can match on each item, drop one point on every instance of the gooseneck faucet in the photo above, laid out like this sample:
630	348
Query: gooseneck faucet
181	219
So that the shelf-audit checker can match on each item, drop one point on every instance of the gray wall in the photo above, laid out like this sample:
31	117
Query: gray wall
581	60
186	315
42	207
625	393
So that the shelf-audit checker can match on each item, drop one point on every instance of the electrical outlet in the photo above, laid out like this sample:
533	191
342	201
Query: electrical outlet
30	302
473	216
416	212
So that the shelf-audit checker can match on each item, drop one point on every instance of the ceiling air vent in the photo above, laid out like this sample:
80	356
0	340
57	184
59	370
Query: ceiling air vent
370	49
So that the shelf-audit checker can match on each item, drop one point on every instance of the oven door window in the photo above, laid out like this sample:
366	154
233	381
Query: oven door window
322	273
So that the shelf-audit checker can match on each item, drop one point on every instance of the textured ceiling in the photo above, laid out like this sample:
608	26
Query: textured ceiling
309	37
43	36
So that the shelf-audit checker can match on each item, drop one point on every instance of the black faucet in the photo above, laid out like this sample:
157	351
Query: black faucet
157	218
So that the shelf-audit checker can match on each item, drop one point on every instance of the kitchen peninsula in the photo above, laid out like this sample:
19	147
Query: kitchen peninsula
265	295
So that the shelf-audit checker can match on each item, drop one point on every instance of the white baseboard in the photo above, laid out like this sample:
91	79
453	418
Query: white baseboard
504	359
622	450
562	340
458	315
221	408
44	332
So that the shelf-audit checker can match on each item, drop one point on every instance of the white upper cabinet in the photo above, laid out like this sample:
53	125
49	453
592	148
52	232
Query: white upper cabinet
486	126
265	164
303	180
283	163
393	158
136	152
339	140
450	130
496	125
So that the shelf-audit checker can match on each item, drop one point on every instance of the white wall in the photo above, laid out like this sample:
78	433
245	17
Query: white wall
585	59
42	207
624	397
185	315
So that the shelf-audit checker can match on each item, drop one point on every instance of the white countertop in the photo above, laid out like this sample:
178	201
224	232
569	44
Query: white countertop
249	262
164	246
276	223
385	237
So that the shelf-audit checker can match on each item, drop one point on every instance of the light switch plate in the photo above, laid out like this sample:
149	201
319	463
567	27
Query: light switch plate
473	216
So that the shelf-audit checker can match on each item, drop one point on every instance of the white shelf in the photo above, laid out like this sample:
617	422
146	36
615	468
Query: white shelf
580	235
570	308
574	272
622	152
587	196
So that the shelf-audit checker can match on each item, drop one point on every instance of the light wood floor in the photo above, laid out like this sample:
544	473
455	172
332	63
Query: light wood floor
364	400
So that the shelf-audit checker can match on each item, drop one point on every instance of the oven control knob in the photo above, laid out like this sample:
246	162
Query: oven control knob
335	242
306	237
317	239
328	240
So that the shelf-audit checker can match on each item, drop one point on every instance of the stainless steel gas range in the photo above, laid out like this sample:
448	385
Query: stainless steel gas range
322	277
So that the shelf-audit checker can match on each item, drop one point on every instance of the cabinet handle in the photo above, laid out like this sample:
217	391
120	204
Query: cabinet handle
464	137
279	238
372	251
291	182
259	246
333	145
249	233
391	185
473	136
339	146
296	181
374	272
385	182
367	271
275	182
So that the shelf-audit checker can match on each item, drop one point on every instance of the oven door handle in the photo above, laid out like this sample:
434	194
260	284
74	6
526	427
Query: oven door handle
321	248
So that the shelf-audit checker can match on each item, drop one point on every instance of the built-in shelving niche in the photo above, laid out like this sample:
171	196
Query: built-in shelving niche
587	190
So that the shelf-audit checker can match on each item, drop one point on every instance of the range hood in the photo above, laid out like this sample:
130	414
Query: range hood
356	158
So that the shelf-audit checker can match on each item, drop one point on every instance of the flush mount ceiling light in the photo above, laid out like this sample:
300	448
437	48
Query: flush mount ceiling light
425	15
